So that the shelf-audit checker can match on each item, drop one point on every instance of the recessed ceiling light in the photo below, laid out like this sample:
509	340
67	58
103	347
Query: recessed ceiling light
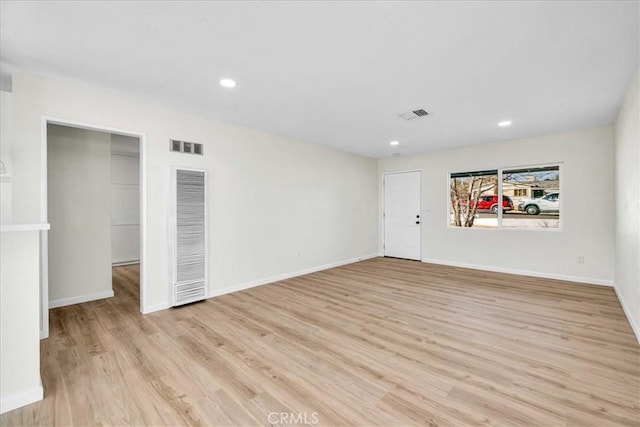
227	83
394	143
504	123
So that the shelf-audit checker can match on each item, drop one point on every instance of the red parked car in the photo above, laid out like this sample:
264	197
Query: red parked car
490	203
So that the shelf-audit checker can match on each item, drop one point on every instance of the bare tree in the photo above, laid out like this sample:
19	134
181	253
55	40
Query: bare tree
456	202
464	197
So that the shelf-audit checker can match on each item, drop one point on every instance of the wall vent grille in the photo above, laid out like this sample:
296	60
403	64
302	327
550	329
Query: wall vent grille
187	147
189	251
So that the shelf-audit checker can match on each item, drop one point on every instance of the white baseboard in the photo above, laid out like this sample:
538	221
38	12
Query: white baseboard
119	263
266	281
80	299
577	279
635	328
240	287
18	400
155	307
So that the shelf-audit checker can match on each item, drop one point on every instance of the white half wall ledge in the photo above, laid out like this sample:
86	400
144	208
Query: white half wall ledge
15	401
542	275
6	228
627	312
63	302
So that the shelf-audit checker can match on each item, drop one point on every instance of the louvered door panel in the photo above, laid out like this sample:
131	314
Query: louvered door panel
190	236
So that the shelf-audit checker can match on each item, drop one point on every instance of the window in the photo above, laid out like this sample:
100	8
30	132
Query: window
542	210
474	199
506	198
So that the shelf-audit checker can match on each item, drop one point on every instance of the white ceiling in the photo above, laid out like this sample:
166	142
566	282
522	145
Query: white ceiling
338	74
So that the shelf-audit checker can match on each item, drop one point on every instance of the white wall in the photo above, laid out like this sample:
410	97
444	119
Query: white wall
125	199
587	209
79	171
19	319
627	192
6	118
277	206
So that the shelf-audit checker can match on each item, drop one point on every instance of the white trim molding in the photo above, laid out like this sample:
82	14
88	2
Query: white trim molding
124	262
45	120
6	228
152	308
635	328
255	283
576	279
80	299
18	400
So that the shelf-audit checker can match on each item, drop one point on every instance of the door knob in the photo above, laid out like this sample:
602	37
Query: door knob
417	222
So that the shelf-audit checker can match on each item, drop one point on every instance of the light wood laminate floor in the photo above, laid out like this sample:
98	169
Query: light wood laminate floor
382	342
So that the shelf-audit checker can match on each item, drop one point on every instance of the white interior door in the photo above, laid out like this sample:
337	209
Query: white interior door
402	216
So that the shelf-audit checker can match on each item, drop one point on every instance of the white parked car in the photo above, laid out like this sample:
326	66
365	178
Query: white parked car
549	203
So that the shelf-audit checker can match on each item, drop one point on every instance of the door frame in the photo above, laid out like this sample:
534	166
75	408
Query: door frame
383	209
44	217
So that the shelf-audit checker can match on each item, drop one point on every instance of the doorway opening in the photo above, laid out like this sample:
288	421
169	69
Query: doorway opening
94	196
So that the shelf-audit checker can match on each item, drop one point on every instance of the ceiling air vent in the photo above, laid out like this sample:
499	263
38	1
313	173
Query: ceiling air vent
414	114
